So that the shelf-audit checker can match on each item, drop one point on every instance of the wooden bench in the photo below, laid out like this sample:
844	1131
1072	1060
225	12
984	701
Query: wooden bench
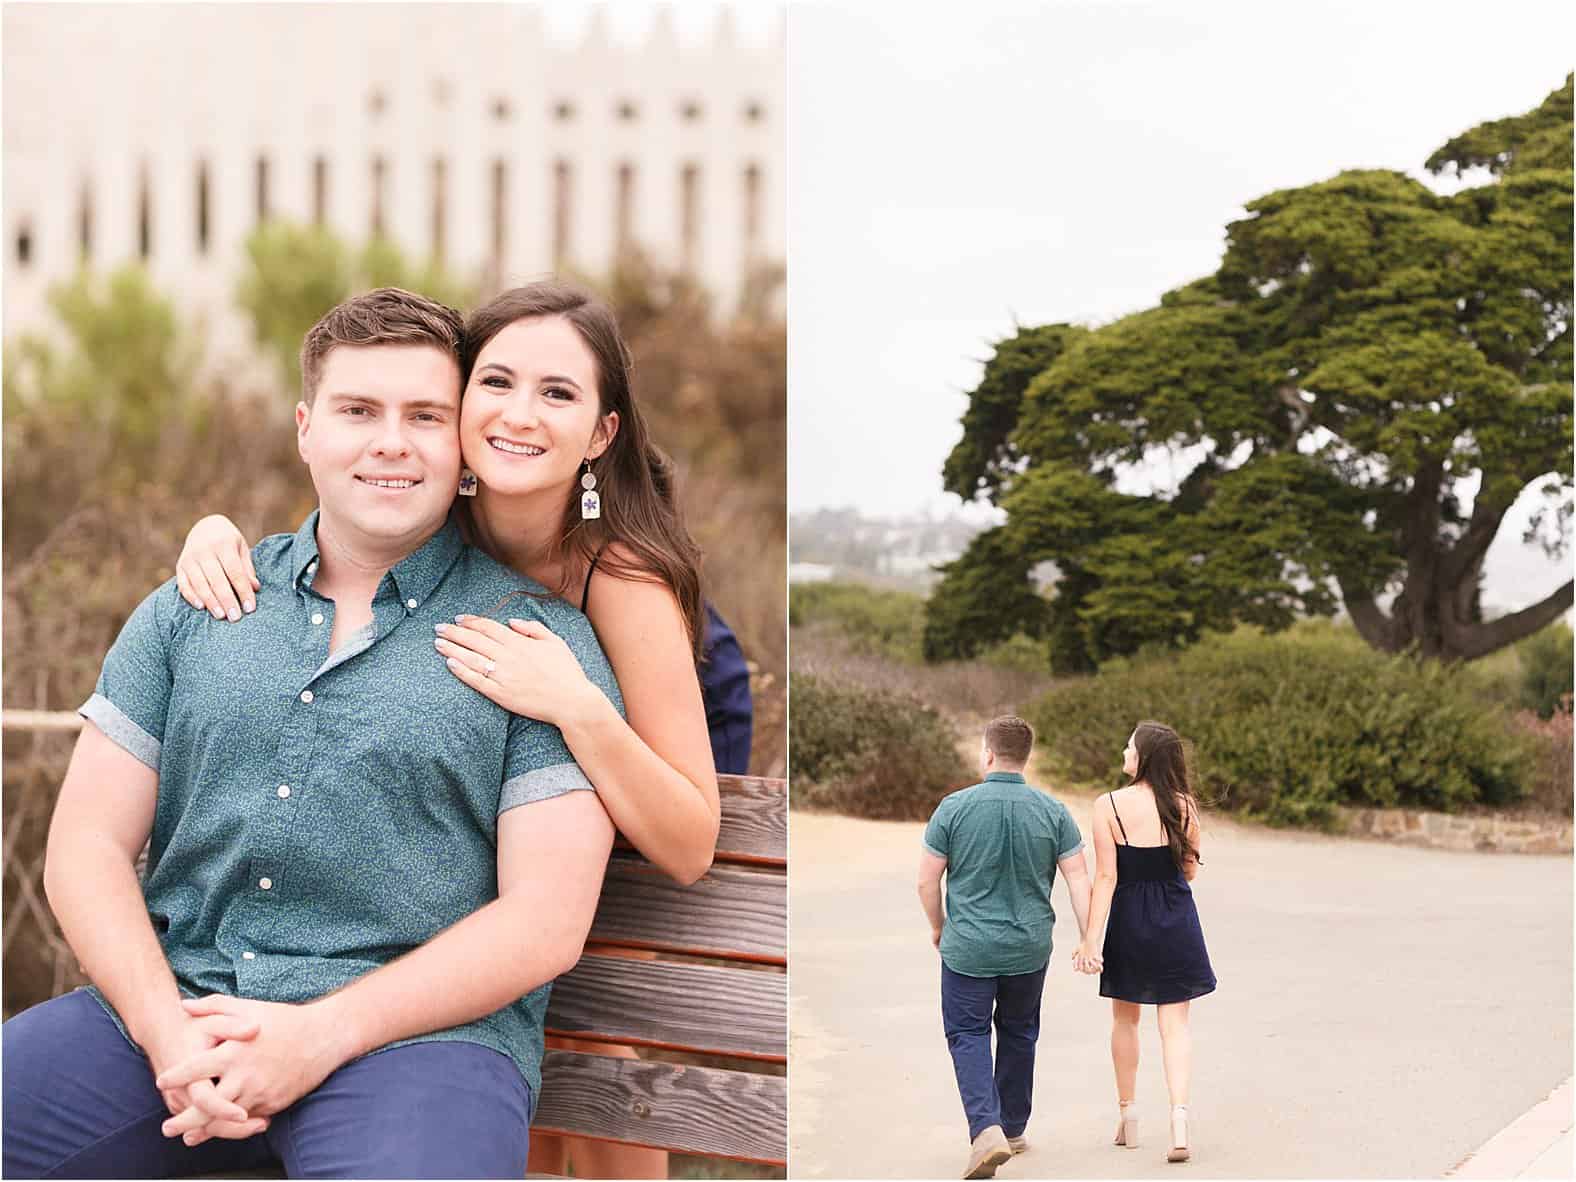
716	994
708	990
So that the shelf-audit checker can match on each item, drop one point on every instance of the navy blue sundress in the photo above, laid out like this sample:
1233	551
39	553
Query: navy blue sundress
1154	947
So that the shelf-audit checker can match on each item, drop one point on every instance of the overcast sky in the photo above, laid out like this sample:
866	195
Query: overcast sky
957	168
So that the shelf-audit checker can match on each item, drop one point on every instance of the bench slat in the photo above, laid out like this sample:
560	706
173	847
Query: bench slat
754	820
703	1110
684	1007
733	913
754	829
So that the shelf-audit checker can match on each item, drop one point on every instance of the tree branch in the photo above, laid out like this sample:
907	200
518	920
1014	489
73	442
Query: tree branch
1468	552
1370	621
1475	640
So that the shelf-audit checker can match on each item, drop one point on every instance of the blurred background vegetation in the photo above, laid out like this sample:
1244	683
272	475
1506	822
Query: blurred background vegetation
120	433
1286	726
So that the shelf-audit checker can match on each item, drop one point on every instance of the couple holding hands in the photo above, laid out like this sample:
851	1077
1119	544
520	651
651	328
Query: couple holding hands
999	844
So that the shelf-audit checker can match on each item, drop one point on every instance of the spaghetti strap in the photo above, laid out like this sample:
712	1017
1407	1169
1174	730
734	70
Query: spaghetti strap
585	596
1112	801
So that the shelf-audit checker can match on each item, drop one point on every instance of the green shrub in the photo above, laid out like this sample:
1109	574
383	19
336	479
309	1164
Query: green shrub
120	371
1020	653
869	753
890	623
1288	727
1546	673
295	273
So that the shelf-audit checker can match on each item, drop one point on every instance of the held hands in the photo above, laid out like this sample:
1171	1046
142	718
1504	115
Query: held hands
215	569
1087	960
292	1049
524	668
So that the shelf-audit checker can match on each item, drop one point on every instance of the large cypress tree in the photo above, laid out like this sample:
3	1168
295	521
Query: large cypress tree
1373	376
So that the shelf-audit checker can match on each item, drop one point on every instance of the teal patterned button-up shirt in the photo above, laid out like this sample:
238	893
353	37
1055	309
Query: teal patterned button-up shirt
1002	840
320	815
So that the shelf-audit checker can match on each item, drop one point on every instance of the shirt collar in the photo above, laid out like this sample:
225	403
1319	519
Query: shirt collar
1009	777
415	576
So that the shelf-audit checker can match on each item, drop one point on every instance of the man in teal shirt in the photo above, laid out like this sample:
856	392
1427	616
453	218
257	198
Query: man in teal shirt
999	844
350	850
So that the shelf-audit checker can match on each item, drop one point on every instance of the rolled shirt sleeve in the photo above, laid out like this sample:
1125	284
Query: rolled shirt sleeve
131	700
938	838
1070	840
538	764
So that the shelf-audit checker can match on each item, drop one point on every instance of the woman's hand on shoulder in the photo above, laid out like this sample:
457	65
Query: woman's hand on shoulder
523	666
215	571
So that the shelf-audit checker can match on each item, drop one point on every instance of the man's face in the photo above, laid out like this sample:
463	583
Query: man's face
381	439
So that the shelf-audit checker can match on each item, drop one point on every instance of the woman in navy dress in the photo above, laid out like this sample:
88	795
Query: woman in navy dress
1146	842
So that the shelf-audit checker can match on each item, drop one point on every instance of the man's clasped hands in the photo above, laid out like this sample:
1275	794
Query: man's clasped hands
224	1065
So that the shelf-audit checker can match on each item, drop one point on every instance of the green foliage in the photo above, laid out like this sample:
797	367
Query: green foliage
869	753
1546	671
1365	347
1019	653
122	375
888	623
1286	727
984	459
381	263
983	598
295	273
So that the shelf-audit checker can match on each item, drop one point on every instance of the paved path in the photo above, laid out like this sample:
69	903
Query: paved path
1382	1012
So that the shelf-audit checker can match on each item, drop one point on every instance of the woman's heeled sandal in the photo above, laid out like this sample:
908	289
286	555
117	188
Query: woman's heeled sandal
1127	1125
1180	1150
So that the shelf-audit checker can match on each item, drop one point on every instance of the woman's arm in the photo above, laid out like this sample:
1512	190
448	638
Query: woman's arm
1190	865
1104	877
215	571
654	772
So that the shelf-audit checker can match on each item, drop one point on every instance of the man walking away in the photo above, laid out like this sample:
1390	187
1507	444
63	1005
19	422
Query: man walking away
999	843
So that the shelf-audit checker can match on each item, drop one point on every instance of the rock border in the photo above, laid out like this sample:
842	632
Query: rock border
1502	833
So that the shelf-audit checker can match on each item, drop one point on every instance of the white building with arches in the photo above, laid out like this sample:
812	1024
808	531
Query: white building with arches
166	132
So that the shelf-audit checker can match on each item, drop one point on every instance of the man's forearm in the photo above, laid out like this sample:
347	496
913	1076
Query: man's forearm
96	898
466	972
930	900
1079	892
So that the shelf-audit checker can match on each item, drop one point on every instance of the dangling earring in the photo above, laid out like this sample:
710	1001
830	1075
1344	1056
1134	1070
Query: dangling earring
590	503
467	483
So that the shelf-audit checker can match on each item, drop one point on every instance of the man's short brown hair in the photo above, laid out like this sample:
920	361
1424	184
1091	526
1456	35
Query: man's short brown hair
1010	738
386	316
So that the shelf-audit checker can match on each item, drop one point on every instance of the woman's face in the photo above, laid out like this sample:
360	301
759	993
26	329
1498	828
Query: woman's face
1130	755
531	413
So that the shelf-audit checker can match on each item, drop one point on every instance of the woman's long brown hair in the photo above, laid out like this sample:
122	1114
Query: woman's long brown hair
1162	764
633	476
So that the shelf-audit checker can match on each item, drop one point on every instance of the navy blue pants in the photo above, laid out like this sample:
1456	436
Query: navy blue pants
999	1094
80	1103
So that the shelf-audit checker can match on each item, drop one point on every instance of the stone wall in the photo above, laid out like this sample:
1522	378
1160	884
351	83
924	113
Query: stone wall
1492	833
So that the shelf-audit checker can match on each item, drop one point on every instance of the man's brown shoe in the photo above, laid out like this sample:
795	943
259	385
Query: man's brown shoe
1017	1144
987	1152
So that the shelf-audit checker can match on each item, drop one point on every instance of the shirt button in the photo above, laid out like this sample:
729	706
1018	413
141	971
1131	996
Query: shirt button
284	791
411	603
306	696
317	617
266	883
248	956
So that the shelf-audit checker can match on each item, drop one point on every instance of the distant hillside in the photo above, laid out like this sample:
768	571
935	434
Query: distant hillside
899	552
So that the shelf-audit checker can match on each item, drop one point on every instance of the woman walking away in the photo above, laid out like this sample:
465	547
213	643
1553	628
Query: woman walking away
1146	845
